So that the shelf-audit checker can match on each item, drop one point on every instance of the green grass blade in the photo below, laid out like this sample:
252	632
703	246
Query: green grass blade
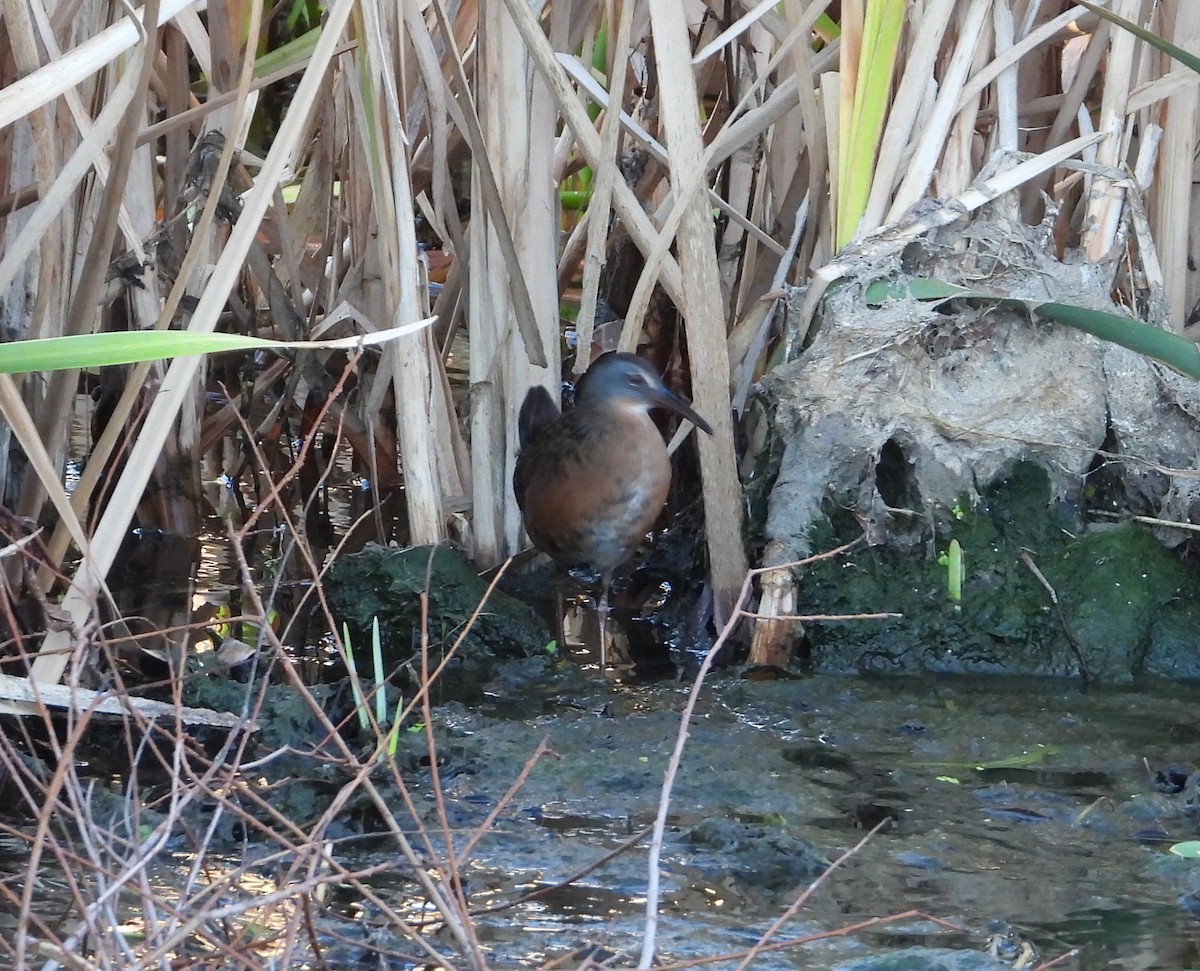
295	51
129	347
394	733
1162	345
1182	56
880	291
872	89
360	702
380	680
118	347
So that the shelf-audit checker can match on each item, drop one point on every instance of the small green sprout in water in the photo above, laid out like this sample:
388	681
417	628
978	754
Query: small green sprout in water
949	779
955	571
952	560
394	731
1189	849
380	680
382	720
360	702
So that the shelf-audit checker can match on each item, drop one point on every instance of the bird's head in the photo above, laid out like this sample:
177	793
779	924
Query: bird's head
628	381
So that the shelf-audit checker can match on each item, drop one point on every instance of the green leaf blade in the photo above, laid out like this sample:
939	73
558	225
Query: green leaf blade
1162	345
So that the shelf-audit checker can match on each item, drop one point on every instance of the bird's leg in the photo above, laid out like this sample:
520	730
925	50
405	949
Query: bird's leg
560	614
602	613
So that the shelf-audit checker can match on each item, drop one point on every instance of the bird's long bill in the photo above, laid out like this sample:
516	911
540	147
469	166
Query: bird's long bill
672	402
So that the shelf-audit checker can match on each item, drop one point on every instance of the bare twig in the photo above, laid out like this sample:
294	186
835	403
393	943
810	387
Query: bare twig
1085	675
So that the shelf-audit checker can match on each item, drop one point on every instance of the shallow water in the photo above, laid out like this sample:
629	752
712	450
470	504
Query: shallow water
1026	802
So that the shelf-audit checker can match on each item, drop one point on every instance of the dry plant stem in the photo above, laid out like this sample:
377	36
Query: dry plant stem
1148	520
1085	77
929	148
701	306
814	618
729	139
74	66
55	196
363	780
197	113
734	30
739	129
1085	674
439	797
292	849
660	822
197	247
440	102
511	132
468	121
1104	202
64	779
1061	959
45	816
27	58
207	915
364	768
905	110
316	590
612	854
135	385
274	498
362	777
863	925
274	493
1006	136
95	262
1009	57
423	691
601	201
47	482
178	767
745	365
485	827
627	206
38	843
804	897
406	365
1173	215
20	421
80	597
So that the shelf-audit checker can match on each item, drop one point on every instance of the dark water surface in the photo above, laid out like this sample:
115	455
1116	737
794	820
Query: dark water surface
1031	803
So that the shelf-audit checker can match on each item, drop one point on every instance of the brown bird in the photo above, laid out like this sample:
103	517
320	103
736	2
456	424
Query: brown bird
591	481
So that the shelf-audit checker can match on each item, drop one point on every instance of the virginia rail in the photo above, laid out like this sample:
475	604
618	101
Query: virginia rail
591	481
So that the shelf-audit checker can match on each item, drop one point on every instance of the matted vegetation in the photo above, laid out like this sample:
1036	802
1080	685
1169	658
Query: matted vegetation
760	147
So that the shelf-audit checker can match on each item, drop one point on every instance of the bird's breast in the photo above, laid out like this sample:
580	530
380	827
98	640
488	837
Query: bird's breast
592	484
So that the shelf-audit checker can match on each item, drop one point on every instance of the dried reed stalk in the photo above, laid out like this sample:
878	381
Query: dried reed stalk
516	142
702	304
739	116
1179	117
80	599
